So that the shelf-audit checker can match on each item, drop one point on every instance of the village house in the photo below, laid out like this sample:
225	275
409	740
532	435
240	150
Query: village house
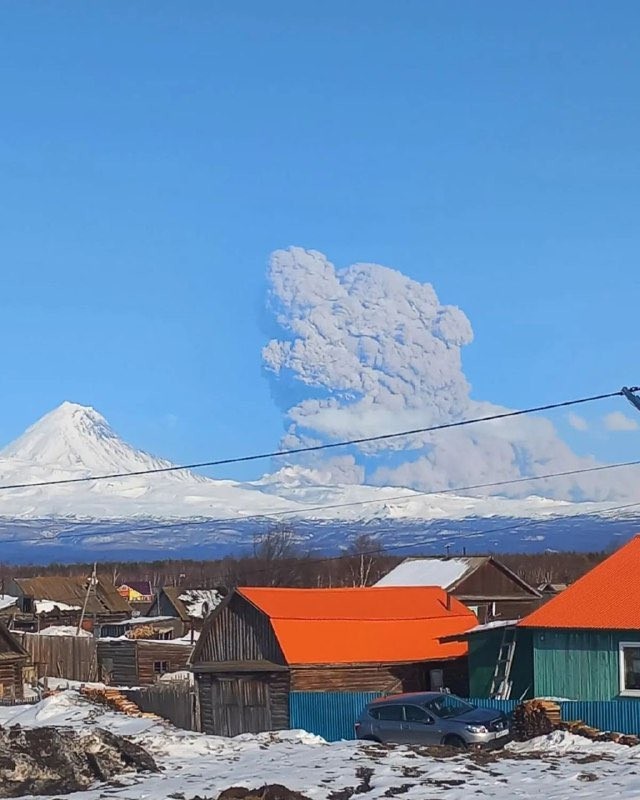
13	660
582	644
53	600
136	592
140	662
191	606
488	587
261	644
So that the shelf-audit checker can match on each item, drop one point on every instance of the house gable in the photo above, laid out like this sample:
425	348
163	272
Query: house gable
491	580
10	646
237	631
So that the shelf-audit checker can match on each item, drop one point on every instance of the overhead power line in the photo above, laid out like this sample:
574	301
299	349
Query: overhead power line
328	446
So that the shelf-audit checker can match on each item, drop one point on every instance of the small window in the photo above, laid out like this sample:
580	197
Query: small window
160	667
630	668
387	713
416	714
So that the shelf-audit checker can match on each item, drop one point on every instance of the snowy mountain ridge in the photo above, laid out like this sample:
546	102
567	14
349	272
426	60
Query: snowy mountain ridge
75	441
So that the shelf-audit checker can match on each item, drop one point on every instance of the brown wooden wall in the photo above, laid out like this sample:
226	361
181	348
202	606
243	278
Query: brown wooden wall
71	657
359	678
151	651
239	632
131	663
491	582
11	679
235	703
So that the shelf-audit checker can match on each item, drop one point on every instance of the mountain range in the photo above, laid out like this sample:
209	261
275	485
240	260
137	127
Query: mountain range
180	511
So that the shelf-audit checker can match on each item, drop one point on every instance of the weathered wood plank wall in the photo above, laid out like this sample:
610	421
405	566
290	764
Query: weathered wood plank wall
71	657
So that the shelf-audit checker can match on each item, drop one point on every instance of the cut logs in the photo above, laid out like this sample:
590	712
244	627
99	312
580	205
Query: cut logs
540	717
535	718
116	700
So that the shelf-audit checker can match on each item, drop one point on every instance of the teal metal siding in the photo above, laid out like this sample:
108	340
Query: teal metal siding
328	714
578	664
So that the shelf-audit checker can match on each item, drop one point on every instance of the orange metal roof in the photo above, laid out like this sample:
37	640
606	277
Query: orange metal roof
358	626
605	598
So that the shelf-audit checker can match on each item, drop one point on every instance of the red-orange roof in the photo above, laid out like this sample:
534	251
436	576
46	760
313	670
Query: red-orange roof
607	597
368	625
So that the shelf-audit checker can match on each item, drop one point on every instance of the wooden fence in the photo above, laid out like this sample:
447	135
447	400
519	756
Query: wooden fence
174	700
72	657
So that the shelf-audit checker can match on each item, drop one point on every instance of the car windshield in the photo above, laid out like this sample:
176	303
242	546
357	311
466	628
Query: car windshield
447	706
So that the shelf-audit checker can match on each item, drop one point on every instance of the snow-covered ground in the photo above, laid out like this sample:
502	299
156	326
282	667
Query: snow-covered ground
556	767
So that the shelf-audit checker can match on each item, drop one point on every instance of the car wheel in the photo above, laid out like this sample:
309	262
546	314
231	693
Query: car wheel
455	741
370	739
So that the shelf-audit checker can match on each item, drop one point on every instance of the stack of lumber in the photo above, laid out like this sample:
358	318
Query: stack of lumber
114	699
535	718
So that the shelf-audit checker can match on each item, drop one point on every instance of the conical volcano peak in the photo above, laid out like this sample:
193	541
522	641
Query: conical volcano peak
77	436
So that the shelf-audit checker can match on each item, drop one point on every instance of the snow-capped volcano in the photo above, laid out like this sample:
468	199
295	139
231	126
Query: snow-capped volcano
75	441
78	437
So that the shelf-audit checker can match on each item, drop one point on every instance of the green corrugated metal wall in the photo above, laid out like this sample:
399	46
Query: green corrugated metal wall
483	654
578	665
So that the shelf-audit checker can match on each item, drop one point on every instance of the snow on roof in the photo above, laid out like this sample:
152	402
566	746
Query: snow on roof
497	623
63	630
143	620
7	600
200	602
443	572
47	606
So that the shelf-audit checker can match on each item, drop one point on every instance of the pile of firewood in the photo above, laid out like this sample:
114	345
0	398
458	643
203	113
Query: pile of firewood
142	632
114	699
535	718
582	729
540	717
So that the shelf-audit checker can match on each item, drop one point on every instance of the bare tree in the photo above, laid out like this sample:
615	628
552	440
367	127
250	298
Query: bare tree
363	556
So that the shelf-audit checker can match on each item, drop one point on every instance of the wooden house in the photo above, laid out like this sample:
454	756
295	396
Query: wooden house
260	644
585	641
54	600
488	587
191	606
13	660
140	662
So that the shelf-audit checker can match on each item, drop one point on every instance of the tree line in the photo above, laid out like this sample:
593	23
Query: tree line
278	559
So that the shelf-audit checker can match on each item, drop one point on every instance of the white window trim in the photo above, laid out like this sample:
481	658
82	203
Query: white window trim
625	692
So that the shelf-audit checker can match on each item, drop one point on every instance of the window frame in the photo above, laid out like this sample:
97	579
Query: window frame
160	671
383	707
624	692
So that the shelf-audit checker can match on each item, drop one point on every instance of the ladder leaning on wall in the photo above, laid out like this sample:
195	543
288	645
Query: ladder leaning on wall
501	682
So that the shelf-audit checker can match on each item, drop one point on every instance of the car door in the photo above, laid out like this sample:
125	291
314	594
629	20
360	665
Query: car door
388	723
420	727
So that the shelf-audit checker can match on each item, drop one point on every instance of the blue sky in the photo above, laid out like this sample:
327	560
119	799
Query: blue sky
153	154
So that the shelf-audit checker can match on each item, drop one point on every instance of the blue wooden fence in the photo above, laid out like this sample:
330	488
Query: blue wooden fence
332	714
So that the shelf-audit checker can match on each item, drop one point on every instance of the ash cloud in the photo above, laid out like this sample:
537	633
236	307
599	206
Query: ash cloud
367	350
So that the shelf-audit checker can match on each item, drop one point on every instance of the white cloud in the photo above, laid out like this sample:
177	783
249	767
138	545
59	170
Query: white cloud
617	421
577	422
366	350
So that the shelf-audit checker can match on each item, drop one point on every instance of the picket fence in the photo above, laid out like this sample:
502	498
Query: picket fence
332	714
